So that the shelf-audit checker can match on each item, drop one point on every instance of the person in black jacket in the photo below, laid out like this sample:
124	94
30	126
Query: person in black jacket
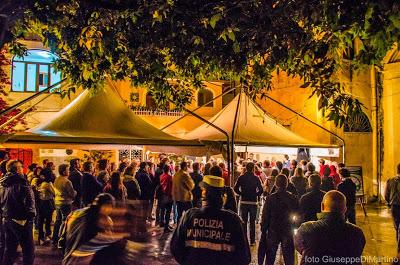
248	187
131	184
210	235
299	181
349	189
75	176
310	203
327	182
392	197
146	187
17	206
158	194
4	158
145	182
290	188
230	200
90	185
197	178
278	222
330	239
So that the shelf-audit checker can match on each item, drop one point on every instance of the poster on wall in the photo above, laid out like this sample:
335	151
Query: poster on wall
357	177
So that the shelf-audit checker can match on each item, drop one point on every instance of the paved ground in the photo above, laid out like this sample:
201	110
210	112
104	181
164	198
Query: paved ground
377	227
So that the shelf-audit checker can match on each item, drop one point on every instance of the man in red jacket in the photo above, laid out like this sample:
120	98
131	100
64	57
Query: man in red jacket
322	167
166	198
225	174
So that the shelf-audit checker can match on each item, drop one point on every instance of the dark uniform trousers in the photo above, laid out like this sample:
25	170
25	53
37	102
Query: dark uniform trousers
14	235
287	245
249	211
182	207
351	215
268	247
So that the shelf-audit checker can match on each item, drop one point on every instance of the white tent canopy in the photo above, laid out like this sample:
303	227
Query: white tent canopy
253	127
102	118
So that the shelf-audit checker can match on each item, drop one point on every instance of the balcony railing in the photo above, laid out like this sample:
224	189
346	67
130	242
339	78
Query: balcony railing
154	112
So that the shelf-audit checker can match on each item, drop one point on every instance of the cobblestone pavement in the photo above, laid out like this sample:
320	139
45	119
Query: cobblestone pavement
377	227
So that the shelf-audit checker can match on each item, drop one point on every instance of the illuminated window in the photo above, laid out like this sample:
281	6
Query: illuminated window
204	96
34	71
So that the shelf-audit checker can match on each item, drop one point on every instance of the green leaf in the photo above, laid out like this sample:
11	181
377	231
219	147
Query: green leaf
231	35
197	40
214	19
395	20
86	74
236	47
305	85
306	58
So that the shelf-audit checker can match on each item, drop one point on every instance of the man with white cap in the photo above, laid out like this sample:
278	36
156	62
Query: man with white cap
210	235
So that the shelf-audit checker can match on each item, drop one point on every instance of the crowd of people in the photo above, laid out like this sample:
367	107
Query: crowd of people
212	216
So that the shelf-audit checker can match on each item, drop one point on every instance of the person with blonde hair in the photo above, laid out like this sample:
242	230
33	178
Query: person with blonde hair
46	206
299	181
115	187
131	184
64	197
182	187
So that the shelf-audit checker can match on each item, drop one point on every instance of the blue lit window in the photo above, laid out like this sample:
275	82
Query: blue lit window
34	71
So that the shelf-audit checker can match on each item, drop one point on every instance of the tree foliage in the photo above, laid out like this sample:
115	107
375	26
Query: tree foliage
154	42
4	80
10	12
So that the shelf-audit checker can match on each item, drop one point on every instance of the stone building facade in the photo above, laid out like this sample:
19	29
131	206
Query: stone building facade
371	140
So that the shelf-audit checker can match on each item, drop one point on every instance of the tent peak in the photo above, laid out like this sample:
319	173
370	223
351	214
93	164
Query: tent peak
251	125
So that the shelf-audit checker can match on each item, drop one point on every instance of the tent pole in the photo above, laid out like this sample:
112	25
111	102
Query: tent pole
13	107
233	133
217	128
313	122
344	153
22	113
205	104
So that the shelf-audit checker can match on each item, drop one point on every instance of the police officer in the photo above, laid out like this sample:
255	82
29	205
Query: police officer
210	235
